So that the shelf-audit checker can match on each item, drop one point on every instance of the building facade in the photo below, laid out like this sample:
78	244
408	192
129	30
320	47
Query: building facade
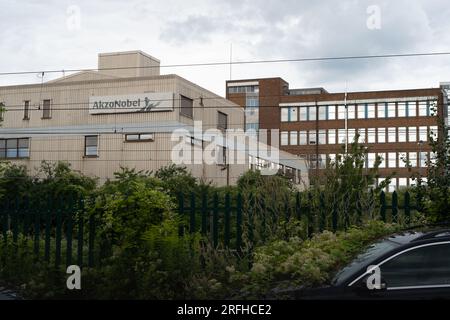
125	114
393	124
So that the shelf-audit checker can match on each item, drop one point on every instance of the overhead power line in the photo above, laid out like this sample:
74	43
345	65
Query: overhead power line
228	63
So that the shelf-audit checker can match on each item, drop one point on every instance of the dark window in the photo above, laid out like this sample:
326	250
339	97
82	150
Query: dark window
2	149
26	110
139	137
187	107
222	158
419	267
46	109
222	121
2	111
14	148
91	146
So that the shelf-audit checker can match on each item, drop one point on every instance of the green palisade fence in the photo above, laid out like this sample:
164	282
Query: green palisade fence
60	232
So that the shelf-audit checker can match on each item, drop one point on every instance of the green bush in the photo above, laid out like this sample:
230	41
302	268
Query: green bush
312	262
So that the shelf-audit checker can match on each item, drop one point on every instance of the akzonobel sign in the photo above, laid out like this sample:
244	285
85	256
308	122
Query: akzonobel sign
146	102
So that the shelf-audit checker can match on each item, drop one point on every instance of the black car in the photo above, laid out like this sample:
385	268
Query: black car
410	265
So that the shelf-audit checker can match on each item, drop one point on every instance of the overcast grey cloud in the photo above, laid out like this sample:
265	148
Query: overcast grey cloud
34	35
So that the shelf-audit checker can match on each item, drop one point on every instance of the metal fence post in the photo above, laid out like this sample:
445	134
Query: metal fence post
394	206
192	216
407	207
239	223
216	220
69	232
227	218
204	212
383	206
58	237
298	209
80	240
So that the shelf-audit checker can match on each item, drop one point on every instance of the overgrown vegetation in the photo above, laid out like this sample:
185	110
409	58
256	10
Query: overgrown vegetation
434	192
144	255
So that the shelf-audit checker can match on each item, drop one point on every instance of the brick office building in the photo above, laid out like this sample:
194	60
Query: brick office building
394	124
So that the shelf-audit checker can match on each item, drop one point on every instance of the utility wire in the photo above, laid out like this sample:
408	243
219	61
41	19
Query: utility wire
228	63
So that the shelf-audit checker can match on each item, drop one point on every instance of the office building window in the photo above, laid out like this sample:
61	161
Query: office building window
423	159
362	111
312	137
393	185
26	110
391	110
401	109
351	111
293	139
341	112
289	114
371	135
186	107
381	110
351	135
403	159
293	114
432	108
412	109
392	134
331	158
341	136
402	182
252	101
402	134
243	89
423	134
331	136
331	112
323	112
252	127
362	135
371	160
381	135
392	159
434	132
222	156
284	114
303	113
382	160
135	137
433	158
412	158
312	110
370	110
14	148
425	108
322	136
222	121
412	134
91	146
303	138
284	138
46	111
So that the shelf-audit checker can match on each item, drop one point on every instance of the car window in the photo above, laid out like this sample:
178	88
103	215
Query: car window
372	253
422	266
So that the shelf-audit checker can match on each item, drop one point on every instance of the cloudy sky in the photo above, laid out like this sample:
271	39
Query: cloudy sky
50	34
